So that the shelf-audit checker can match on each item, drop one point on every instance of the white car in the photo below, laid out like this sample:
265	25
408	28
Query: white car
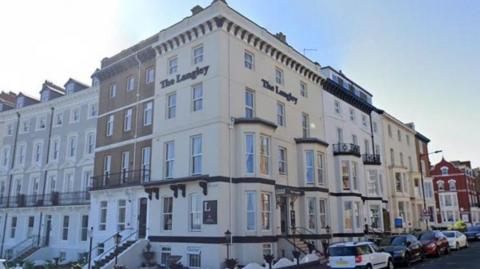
456	239
2	264
365	255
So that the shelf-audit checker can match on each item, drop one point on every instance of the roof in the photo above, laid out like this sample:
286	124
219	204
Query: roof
53	87
422	137
28	97
8	97
345	77
75	81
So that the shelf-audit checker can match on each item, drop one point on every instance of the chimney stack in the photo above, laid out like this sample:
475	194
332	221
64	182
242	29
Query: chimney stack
196	9
281	36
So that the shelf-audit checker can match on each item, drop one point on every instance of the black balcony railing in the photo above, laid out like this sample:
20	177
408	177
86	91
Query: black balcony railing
122	179
50	199
371	159
346	149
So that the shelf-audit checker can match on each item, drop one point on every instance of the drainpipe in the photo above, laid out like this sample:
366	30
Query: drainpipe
12	164
135	134
371	132
45	173
230	130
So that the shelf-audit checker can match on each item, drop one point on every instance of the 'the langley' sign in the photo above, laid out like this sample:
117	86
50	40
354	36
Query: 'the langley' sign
275	89
191	75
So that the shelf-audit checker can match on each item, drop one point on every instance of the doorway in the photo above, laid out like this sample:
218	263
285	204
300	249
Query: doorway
48	230
283	215
142	218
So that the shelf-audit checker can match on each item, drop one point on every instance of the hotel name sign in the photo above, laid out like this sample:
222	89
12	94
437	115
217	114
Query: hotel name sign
275	89
190	75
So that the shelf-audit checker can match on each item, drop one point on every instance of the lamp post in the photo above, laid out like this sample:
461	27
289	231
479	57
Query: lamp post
423	183
228	242
90	234
117	239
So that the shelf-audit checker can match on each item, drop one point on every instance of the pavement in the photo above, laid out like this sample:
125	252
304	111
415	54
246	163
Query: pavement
463	259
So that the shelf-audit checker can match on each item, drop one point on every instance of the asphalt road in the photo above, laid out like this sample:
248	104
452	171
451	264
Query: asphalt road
464	259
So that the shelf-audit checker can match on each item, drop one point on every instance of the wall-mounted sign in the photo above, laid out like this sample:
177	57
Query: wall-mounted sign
190	75
398	223
210	212
275	89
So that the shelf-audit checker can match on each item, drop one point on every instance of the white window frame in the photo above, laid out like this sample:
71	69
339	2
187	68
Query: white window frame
171	105
249	64
131	83
198	58
249	108
251	212
309	167
194	170
282	160
197	100
266	213
265	154
150	75
121	215
279	76
148	114
127	120
195	212
172	65
249	153
112	90
103	216
281	114
110	125
169	159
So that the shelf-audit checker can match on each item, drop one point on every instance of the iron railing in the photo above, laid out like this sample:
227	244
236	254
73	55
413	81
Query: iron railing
21	248
371	159
50	199
121	179
346	149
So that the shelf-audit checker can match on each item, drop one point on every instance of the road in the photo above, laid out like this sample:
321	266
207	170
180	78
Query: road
463	259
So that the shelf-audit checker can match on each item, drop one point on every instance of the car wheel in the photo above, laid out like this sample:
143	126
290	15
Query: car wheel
466	244
457	246
447	250
368	266
437	252
390	264
408	260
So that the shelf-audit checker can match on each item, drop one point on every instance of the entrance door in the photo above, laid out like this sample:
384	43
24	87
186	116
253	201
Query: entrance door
48	230
142	218
284	215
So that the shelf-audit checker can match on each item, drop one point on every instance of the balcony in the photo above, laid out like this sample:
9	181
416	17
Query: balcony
50	199
122	179
346	149
371	159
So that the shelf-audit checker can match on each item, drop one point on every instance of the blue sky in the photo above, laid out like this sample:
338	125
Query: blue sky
418	58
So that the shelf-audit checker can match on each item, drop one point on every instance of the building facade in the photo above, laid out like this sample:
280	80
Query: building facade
45	165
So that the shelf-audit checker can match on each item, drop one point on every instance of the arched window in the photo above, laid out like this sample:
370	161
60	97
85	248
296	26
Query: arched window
441	185
444	170
452	185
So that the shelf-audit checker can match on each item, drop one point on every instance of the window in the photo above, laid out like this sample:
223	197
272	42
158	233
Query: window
146	158
171	105
102	225
165	253
346	175
130	83
127	120
113	90
321	168
93	111
398	182
392	157
38	153
72	147
373	186
265	155
251	210
340	135
279	76
53	183
196	157
356	212
250	153
150	75
59	119
375	127
348	217
375	221
355	175
401	159
90	143
267	249
5	156
110	125
172	65
312	216
266	210
147	114
194	258
75	115
401	210
444	170
84	229
303	89
167	214
125	165
323	213
305	125
337	107
408	139
410	163
249	104
25	126
352	114
366	144
248	60
428	189
122	209
364	121
389	128
309	167
13	227
354	139
399	134
169	158
195	212
31	223
452	185
197	97
66	221
198	55
280	114
41	123
282	161
21	154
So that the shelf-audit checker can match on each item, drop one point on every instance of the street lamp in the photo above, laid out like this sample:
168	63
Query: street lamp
423	183
90	234
117	237
228	242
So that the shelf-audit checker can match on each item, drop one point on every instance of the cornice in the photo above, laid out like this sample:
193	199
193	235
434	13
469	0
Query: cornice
311	140
255	120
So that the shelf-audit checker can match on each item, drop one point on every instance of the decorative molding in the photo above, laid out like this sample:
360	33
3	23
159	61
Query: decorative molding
255	121
311	140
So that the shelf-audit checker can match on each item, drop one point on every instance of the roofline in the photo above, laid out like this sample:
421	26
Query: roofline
345	77
422	137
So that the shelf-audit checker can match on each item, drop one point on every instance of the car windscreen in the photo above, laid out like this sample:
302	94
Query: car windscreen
399	241
342	251
449	234
426	236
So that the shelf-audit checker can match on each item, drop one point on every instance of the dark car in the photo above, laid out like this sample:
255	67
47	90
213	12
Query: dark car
434	243
473	233
405	249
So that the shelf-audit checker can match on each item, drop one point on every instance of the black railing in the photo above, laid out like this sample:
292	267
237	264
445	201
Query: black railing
50	199
371	159
346	149
122	179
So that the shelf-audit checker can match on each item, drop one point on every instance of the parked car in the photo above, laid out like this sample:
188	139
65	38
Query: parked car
405	249
473	233
434	243
456	240
364	255
2	264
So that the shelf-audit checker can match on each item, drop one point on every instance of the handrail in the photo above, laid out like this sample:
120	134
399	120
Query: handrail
120	179
22	249
293	244
99	257
103	242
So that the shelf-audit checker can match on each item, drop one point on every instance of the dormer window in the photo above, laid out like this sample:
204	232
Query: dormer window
45	96
20	101
444	170
441	185
70	88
